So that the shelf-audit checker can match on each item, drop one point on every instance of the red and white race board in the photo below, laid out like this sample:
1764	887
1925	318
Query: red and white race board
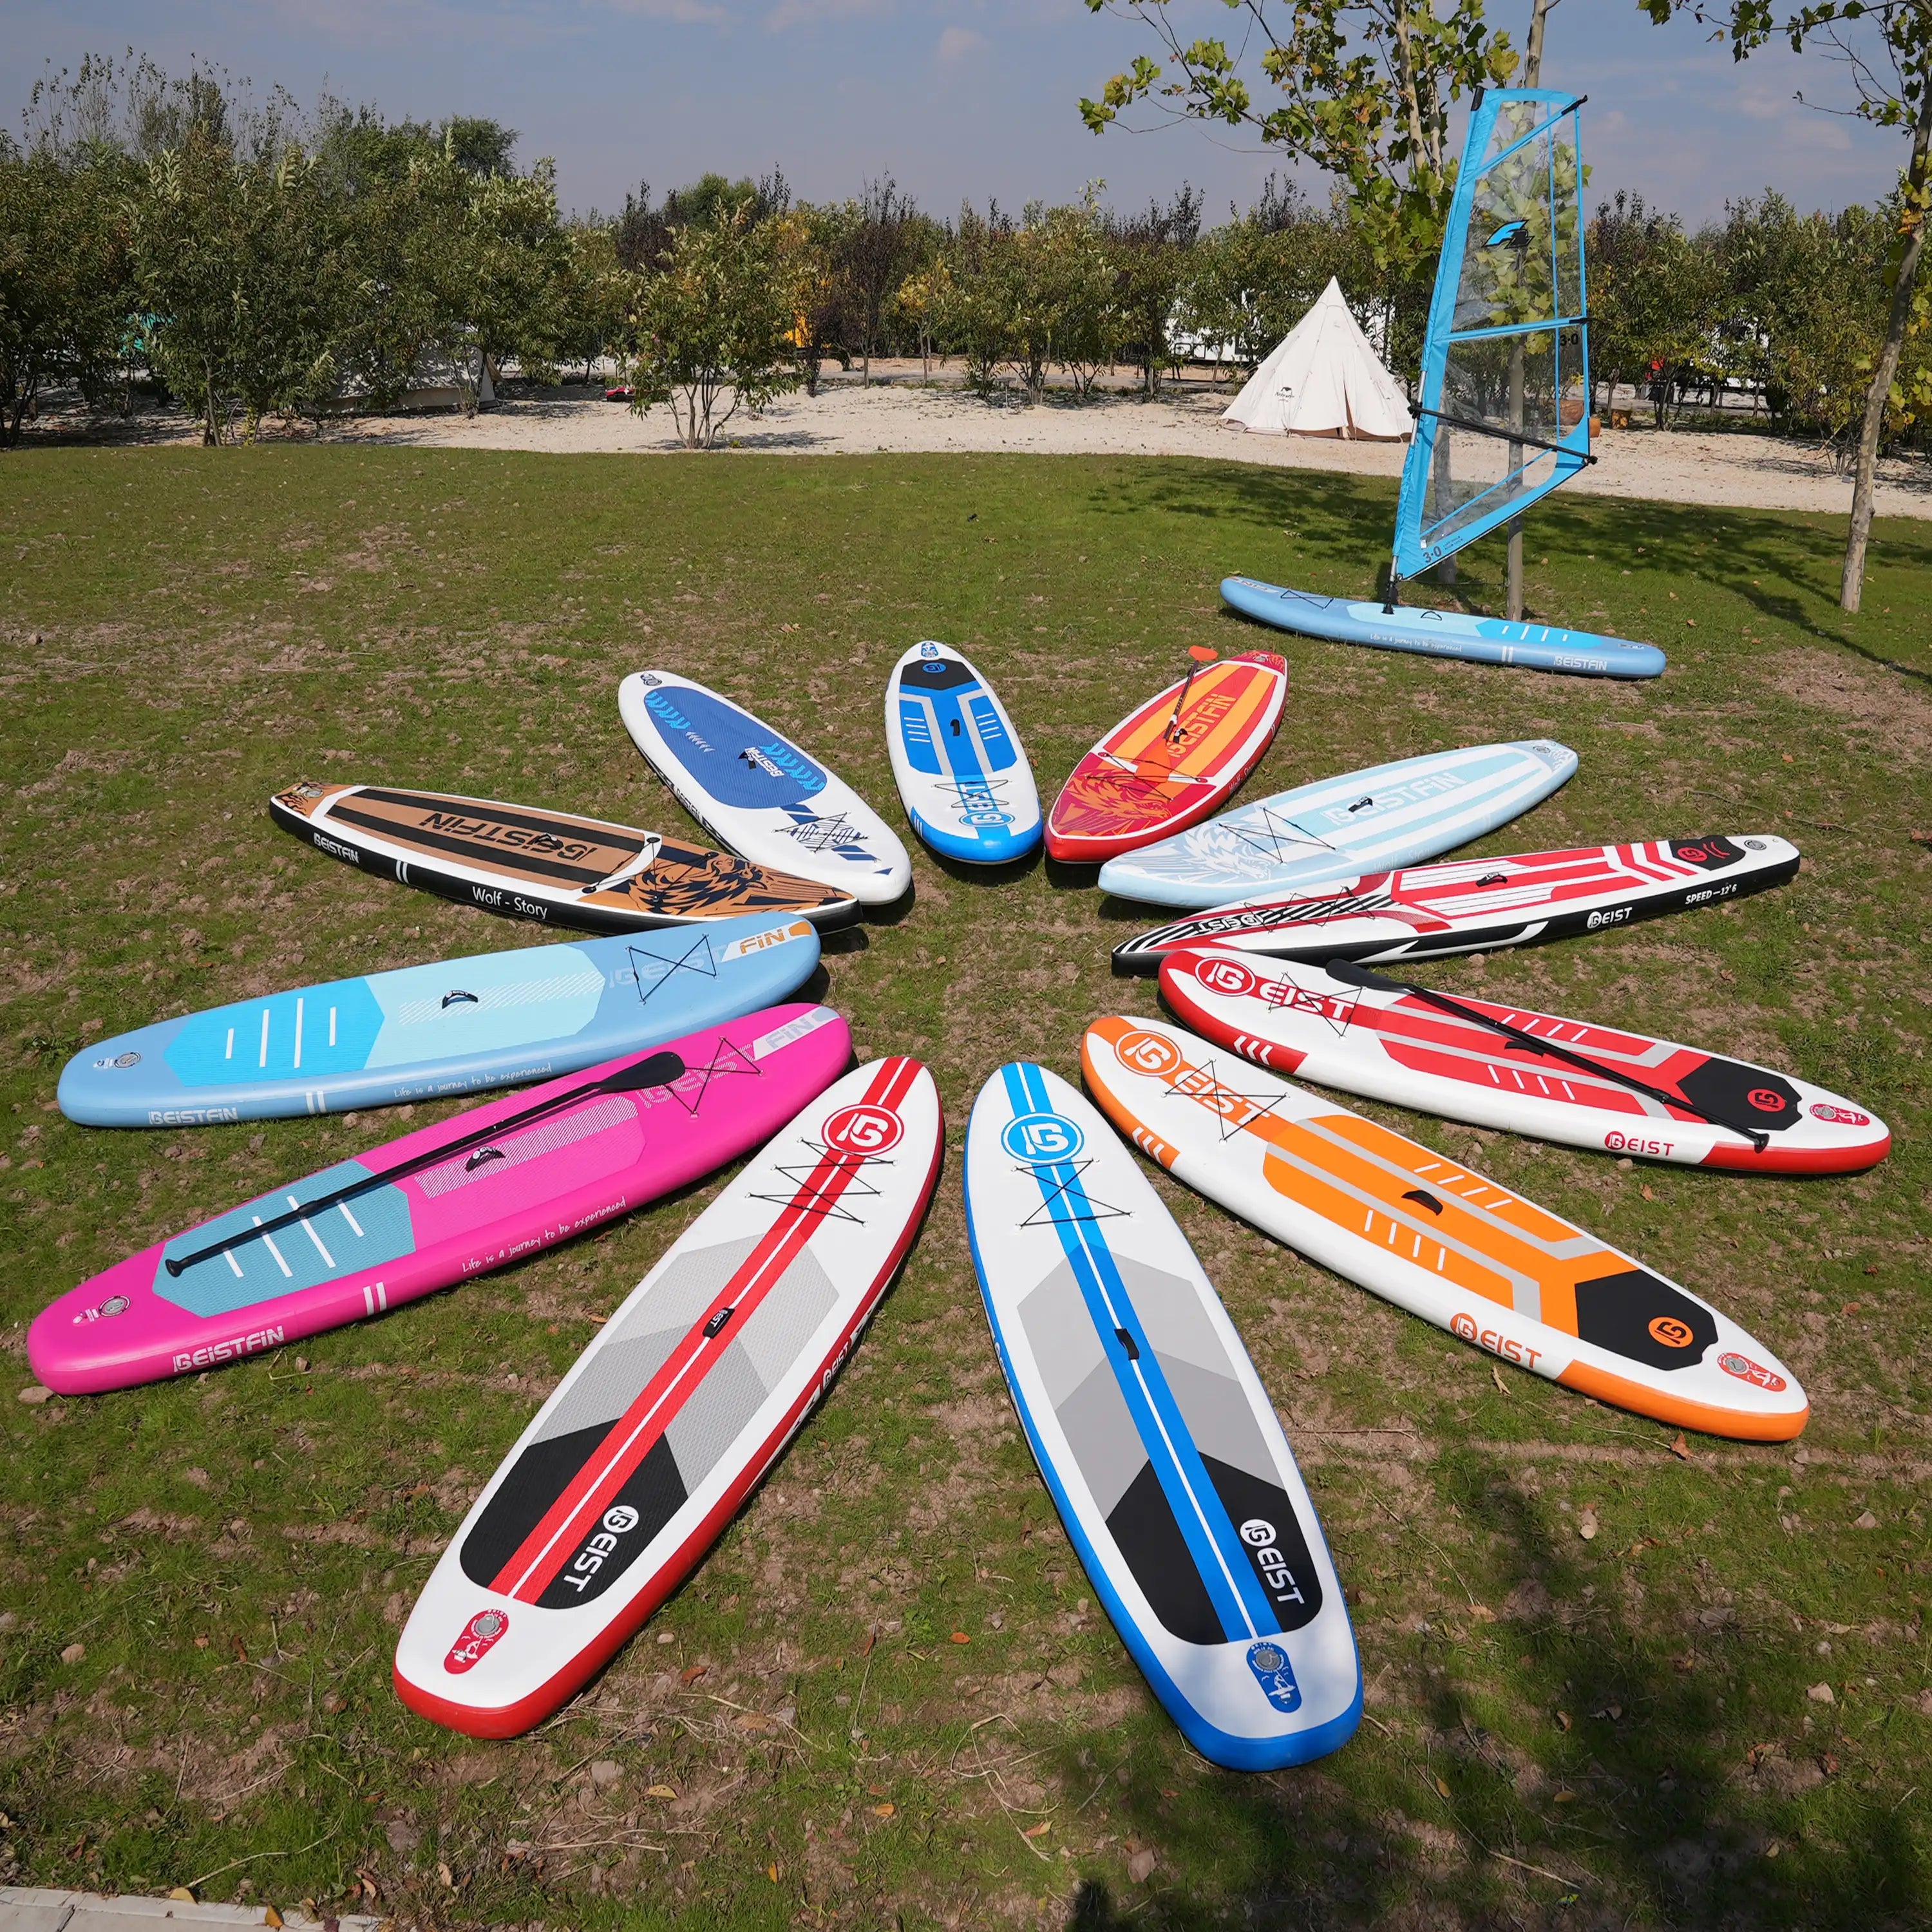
652	1442
1700	1109
1478	905
1169	764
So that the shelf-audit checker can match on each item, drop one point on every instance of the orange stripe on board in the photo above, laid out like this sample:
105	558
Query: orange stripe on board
1705	1417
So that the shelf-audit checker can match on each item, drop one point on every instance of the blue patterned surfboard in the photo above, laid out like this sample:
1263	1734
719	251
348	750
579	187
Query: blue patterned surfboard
1154	1434
451	1026
968	787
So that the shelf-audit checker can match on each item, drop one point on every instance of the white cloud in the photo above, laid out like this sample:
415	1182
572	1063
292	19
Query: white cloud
956	43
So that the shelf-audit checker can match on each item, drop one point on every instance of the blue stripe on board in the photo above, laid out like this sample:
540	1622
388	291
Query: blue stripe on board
1212	1540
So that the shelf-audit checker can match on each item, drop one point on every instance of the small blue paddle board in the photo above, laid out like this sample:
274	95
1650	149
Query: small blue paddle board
968	787
1365	821
1154	1434
1442	633
427	1033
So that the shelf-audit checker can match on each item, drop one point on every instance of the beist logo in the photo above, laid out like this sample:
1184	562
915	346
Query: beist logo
1463	1325
1038	1140
1671	1332
1766	1099
478	1634
1229	977
864	1130
1141	1052
619	1521
1258	1534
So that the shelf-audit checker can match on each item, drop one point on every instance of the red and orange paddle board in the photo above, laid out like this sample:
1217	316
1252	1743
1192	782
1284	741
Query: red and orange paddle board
1172	762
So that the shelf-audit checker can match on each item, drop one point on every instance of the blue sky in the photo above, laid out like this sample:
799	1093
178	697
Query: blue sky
955	99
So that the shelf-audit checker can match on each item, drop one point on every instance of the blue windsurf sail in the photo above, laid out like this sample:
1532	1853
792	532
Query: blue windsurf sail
1503	414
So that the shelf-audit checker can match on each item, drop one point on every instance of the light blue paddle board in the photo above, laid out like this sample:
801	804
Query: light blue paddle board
1365	821
1442	633
1155	1435
426	1033
968	787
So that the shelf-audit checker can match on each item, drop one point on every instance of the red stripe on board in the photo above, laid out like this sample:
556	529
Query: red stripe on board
509	1721
569	1519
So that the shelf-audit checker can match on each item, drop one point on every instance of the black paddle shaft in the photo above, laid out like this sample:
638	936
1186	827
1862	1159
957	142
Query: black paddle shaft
1350	974
659	1070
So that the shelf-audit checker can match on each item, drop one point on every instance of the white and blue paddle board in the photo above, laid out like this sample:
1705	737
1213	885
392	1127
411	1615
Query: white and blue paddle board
755	791
1445	634
1366	821
426	1033
1154	1434
968	787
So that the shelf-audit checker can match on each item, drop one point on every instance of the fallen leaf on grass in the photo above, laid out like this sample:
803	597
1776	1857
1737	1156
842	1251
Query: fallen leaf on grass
1821	1694
750	1721
884	1810
960	1637
692	1672
448	1877
1563	1721
74	1653
871	1638
1565	1798
1827	1762
270	1916
1681	1447
772	1873
659	1791
181	1892
1496	1376
1586	1524
1441	1788
1038	1831
1140	1867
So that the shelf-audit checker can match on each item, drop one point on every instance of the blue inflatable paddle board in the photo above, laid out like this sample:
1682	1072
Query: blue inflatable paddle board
1447	633
1154	1434
968	787
755	791
1365	821
426	1033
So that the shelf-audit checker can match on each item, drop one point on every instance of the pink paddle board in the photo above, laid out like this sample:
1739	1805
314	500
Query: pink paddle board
344	1244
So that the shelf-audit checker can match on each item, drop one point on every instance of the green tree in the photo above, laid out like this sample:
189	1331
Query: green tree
66	283
1366	88
1884	47
1656	300
1152	254
714	328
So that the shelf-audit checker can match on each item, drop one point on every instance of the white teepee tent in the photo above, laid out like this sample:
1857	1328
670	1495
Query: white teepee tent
1323	379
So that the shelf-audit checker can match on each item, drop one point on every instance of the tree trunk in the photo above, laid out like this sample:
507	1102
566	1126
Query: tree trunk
1853	586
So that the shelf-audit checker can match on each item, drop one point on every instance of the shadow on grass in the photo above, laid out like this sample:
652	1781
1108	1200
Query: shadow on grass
1628	1807
1785	566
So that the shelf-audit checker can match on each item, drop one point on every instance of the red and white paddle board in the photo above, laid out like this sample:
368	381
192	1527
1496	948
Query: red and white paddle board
1170	762
1703	1110
652	1442
1479	905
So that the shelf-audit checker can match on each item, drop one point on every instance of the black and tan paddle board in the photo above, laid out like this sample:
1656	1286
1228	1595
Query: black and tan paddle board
556	867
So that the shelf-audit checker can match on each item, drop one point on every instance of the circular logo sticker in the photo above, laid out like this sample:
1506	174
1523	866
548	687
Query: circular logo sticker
1463	1325
1038	1139
1268	1658
1766	1100
1143	1052
864	1130
1256	1533
1671	1332
620	1519
1229	977
487	1623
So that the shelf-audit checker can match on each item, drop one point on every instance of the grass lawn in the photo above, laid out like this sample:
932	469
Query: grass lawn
1718	1710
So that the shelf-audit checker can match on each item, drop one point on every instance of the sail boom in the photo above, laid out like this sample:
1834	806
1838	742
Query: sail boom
1518	328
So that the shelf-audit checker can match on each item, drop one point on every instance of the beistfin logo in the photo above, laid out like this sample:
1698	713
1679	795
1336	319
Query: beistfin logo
478	1634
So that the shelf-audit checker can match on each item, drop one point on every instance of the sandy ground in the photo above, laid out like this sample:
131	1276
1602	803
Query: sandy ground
1681	466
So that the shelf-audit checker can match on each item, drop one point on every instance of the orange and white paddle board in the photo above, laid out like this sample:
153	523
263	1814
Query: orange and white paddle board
1425	1232
1172	762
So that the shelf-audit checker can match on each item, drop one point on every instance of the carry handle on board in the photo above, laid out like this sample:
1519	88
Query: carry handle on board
659	1070
1350	974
